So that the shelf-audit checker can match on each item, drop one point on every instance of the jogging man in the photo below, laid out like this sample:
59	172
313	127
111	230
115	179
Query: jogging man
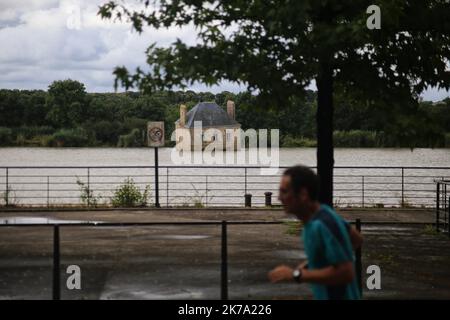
328	240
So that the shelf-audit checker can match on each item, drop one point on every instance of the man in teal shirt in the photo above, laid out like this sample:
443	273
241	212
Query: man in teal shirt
328	239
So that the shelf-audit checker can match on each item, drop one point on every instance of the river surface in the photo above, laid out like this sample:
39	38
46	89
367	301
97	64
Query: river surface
371	185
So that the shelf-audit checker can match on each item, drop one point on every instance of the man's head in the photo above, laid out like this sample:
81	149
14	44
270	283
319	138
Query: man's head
299	190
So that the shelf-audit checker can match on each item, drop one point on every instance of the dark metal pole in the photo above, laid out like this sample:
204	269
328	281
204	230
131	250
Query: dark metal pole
167	186
56	264
358	262
362	191
156	180
224	264
89	188
7	187
437	205
403	187
48	191
448	217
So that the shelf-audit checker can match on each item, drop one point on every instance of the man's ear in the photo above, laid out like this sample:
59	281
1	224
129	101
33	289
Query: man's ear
302	194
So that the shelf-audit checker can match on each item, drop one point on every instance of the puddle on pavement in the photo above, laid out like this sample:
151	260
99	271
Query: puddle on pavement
290	254
177	237
40	220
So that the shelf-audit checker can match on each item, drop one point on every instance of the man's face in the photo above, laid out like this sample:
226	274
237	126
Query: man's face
294	203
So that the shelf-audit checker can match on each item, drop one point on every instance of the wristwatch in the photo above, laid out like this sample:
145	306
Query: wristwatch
297	274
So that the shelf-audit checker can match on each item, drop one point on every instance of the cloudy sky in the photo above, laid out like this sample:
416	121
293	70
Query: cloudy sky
46	40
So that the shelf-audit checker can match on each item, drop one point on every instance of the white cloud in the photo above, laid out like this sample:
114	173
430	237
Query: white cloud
53	40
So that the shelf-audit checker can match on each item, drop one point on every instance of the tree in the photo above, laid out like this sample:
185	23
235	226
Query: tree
66	103
280	47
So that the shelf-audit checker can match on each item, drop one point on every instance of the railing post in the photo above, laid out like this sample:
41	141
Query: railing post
48	191
167	186
362	191
224	264
448	217
403	187
438	187
56	264
157	205
7	188
89	187
206	190
358	260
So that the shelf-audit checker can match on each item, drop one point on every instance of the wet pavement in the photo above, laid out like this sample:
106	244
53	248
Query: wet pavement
183	262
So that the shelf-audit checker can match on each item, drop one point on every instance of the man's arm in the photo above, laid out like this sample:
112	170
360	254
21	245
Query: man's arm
333	275
355	237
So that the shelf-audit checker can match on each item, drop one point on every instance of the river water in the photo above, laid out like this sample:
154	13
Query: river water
226	186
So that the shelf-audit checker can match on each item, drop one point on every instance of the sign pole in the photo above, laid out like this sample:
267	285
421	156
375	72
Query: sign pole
155	139
157	205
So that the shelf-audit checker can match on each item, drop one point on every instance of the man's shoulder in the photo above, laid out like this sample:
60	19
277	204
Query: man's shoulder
326	214
327	220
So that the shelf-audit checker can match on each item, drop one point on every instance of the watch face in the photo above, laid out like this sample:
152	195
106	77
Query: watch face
296	273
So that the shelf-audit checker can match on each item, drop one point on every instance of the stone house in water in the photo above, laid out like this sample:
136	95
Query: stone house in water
209	116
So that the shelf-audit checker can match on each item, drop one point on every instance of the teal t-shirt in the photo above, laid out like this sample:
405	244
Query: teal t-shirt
327	242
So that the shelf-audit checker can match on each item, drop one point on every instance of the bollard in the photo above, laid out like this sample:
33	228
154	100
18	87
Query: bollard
268	197
248	200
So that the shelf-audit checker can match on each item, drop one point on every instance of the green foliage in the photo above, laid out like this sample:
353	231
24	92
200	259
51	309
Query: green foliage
8	197
6	136
357	139
77	137
447	140
129	195
87	195
66	102
133	139
111	116
289	141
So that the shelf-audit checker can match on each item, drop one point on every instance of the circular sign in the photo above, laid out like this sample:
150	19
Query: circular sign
155	134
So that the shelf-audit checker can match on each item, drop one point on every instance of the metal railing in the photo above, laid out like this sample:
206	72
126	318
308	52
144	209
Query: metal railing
56	269
443	206
211	185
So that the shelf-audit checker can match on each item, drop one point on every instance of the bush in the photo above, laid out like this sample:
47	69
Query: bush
129	195
447	140
28	132
356	139
290	141
133	139
69	138
6	136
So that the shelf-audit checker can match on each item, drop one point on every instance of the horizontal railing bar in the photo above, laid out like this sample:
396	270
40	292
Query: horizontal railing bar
221	167
134	224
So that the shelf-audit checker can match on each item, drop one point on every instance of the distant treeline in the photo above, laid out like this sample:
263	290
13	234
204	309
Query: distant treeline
67	116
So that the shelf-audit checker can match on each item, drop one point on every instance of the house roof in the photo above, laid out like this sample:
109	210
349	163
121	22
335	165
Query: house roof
210	114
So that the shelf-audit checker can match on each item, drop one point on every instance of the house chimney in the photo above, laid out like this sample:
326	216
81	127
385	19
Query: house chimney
182	115
230	109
